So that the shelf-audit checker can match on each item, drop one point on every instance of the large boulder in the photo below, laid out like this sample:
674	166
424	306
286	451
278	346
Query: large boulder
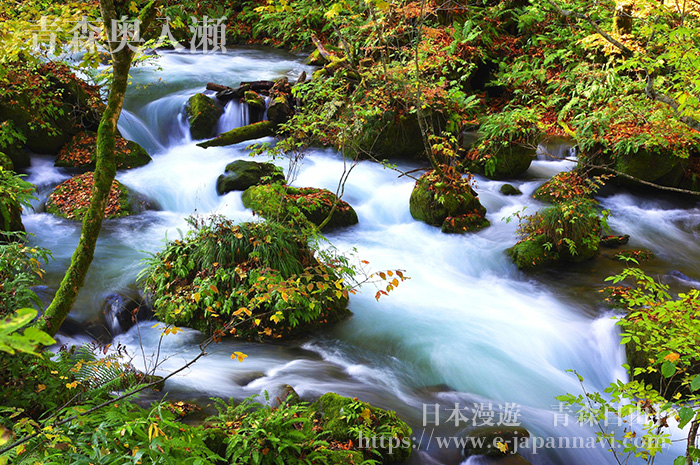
202	113
389	136
75	106
286	203
449	202
80	153
502	161
71	199
241	174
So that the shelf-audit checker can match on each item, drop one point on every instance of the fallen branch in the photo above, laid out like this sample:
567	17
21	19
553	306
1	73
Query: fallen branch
217	87
321	49
242	134
663	98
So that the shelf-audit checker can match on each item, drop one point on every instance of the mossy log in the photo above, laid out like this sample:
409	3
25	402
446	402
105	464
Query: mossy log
242	134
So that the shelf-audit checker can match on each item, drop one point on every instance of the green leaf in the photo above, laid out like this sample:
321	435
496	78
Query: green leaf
695	383
686	415
668	369
679	461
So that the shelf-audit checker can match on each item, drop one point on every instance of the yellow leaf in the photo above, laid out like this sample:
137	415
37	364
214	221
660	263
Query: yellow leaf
285	297
366	414
502	447
40	387
197	296
257	321
240	356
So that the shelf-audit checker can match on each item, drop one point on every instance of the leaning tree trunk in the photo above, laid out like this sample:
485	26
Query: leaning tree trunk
105	171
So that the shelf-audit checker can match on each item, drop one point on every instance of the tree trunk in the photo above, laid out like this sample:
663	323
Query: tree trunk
105	171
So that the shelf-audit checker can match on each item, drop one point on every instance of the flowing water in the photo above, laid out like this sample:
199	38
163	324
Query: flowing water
468	328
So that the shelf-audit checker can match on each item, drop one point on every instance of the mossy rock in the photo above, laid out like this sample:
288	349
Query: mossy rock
537	251
202	113
509	189
343	418
262	276
286	203
564	186
504	162
464	223
80	153
487	437
279	110
78	106
658	167
241	174
18	156
254	99
71	198
531	253
6	162
389	136
452	205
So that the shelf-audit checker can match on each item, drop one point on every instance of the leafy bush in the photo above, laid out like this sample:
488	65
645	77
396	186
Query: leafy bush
20	270
261	279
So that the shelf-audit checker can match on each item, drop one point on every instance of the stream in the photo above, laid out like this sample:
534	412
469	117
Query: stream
468	328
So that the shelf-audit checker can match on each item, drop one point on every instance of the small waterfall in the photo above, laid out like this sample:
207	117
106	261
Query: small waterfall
235	115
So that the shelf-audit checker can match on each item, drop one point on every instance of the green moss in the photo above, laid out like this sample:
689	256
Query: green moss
503	161
291	204
255	100
509	189
453	205
242	174
464	223
242	134
389	136
531	253
202	113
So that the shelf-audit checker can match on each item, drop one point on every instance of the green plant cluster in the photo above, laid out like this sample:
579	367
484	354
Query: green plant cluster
327	431
255	280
